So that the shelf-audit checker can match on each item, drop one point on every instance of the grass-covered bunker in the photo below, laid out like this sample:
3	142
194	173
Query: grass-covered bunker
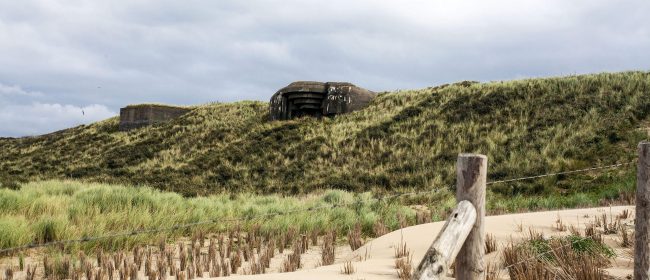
318	99
135	116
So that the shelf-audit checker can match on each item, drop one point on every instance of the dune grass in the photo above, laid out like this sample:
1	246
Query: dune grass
223	161
403	140
57	210
53	210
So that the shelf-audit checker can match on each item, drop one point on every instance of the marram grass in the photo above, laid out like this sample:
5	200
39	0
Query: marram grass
402	140
58	210
53	210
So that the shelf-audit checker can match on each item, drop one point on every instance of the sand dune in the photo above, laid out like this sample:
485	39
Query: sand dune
375	260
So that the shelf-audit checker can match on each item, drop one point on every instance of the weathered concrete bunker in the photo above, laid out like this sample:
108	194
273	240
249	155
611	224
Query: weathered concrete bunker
306	98
135	116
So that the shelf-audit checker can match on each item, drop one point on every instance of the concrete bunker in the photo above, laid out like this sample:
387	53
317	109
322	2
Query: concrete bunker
136	116
317	99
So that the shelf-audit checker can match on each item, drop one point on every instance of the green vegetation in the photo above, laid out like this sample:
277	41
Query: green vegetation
403	140
581	245
57	210
46	211
158	105
241	164
568	257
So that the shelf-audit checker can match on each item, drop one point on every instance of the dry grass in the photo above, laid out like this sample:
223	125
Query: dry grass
625	240
403	260
404	268
328	249
9	274
401	250
379	228
567	258
519	227
204	254
623	215
292	262
609	227
422	217
348	268
354	237
559	225
490	244
492	271
30	272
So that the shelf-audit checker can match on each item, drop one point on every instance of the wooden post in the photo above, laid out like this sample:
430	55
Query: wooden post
447	244
642	230
471	173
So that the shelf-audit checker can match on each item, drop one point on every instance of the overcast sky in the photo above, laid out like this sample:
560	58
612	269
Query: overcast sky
59	58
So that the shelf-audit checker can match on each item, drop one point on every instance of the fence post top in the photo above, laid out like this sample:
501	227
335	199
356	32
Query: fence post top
469	155
644	143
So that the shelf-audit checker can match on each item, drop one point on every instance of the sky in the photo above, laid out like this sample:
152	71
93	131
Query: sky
70	62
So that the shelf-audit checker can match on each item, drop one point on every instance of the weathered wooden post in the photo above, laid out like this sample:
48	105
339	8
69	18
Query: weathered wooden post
642	230
447	244
471	174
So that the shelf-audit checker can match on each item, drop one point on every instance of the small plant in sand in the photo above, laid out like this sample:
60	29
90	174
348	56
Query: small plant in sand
290	236
490	243
348	268
404	267
559	225
401	250
574	230
492	271
592	233
328	249
313	236
519	227
402	220
9	274
304	243
225	267
423	217
609	227
21	262
292	262
257	267
379	228
30	272
625	240
570	257
354	237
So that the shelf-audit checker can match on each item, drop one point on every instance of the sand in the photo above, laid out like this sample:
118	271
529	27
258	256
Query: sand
375	260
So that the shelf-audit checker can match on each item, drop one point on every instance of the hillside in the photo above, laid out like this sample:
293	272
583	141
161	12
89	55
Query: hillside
404	139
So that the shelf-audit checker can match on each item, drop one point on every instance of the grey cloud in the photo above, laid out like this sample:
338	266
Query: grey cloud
37	118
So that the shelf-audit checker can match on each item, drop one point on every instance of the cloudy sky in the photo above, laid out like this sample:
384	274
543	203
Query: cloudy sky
59	58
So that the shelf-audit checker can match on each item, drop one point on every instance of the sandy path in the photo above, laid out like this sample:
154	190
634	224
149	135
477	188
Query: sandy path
376	260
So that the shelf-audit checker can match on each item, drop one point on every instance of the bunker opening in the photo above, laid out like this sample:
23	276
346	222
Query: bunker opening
316	99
